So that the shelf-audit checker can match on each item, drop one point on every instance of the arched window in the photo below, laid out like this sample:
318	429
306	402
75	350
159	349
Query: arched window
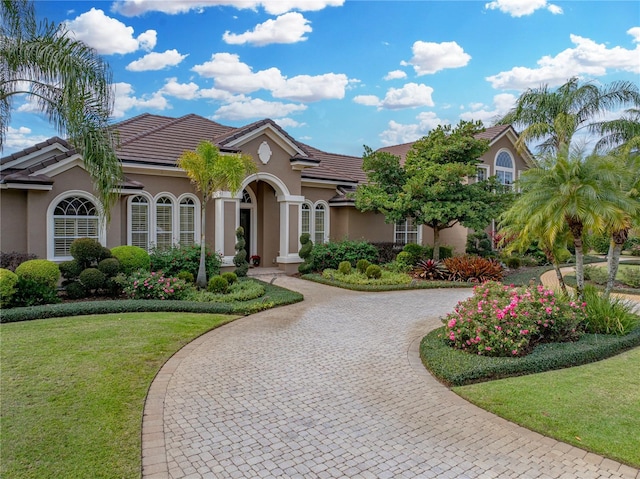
139	222
320	224
73	217
306	218
187	222
505	171
246	197
164	223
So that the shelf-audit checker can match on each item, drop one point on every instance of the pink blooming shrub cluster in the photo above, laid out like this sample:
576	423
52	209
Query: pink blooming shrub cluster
501	320
154	285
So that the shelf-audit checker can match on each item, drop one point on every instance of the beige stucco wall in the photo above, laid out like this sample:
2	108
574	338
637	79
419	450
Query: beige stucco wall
489	158
13	221
278	165
347	222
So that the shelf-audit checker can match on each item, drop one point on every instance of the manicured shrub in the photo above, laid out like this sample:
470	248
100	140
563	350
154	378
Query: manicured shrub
473	268
373	271
240	291
305	253
41	271
70	270
92	279
240	259
387	251
14	259
598	243
513	262
631	276
608	315
405	258
173	260
479	244
416	252
305	268
431	270
30	292
501	320
218	285
445	252
331	254
387	278
87	251
151	285
362	266
8	281
230	277
110	267
186	276
344	267
131	258
75	290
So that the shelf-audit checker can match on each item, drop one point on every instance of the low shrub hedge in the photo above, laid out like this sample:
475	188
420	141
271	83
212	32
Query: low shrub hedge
373	285
274	296
458	368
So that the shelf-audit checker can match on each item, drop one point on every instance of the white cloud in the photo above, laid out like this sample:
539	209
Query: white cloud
401	133
20	138
108	35
172	7
125	100
156	61
256	108
635	33
431	57
587	58
287	28
184	91
411	95
395	75
231	75
288	123
520	8
502	103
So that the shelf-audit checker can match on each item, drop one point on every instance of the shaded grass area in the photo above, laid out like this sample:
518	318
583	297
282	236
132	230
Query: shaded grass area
595	407
417	284
457	368
73	390
274	296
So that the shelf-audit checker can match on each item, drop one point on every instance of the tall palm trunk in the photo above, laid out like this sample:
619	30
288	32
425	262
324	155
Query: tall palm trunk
618	238
201	279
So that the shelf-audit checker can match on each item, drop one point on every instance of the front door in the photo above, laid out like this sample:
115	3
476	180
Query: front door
245	222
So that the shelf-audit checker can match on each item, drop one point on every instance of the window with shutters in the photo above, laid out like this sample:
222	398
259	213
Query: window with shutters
73	217
314	219
306	218
320	224
187	222
139	222
164	223
406	231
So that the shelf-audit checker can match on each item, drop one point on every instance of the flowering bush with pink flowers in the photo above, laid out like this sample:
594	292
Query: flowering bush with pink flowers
145	285
501	320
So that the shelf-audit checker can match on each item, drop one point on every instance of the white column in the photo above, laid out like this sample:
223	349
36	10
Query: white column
285	225
220	199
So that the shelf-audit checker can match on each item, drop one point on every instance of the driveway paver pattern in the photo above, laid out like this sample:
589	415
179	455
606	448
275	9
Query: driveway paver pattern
333	387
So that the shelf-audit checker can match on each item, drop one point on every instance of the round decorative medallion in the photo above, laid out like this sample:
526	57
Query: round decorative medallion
264	152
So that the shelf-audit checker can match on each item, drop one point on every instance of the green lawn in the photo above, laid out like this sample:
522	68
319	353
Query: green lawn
73	390
596	406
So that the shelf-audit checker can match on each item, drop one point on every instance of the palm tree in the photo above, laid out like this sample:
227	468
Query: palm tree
568	192
622	134
68	81
556	116
210	171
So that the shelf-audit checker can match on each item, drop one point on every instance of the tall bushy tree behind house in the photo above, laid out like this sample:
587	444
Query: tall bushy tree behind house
210	171
432	186
68	81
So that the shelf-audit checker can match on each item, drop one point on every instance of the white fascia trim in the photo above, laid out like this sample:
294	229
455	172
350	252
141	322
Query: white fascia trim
290	199
34	157
326	183
153	170
271	133
61	167
342	203
26	186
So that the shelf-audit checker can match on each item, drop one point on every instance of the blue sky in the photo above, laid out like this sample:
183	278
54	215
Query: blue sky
341	74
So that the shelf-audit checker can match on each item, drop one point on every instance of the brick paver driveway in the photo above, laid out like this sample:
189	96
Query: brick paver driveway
333	387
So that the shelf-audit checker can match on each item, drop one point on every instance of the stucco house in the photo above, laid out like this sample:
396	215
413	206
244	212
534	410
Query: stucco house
47	200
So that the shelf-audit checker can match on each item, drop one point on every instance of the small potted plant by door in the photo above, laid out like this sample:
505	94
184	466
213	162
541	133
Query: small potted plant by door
255	260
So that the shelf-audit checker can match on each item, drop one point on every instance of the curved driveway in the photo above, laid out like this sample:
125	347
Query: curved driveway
333	387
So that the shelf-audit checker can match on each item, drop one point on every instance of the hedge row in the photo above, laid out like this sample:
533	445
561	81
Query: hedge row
318	278
458	368
274	296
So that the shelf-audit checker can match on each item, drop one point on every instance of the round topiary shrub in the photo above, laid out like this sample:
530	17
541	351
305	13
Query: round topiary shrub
132	258
362	266
373	272
70	270
41	271
92	279
186	276
344	267
513	262
218	285
240	259
230	277
8	281
109	266
305	253
86	251
405	258
305	268
75	290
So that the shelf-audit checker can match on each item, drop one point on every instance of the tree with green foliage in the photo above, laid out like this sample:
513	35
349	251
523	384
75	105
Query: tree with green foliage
433	186
567	192
555	116
210	172
68	81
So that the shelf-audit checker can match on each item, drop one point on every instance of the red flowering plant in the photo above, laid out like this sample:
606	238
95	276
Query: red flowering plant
501	320
145	285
